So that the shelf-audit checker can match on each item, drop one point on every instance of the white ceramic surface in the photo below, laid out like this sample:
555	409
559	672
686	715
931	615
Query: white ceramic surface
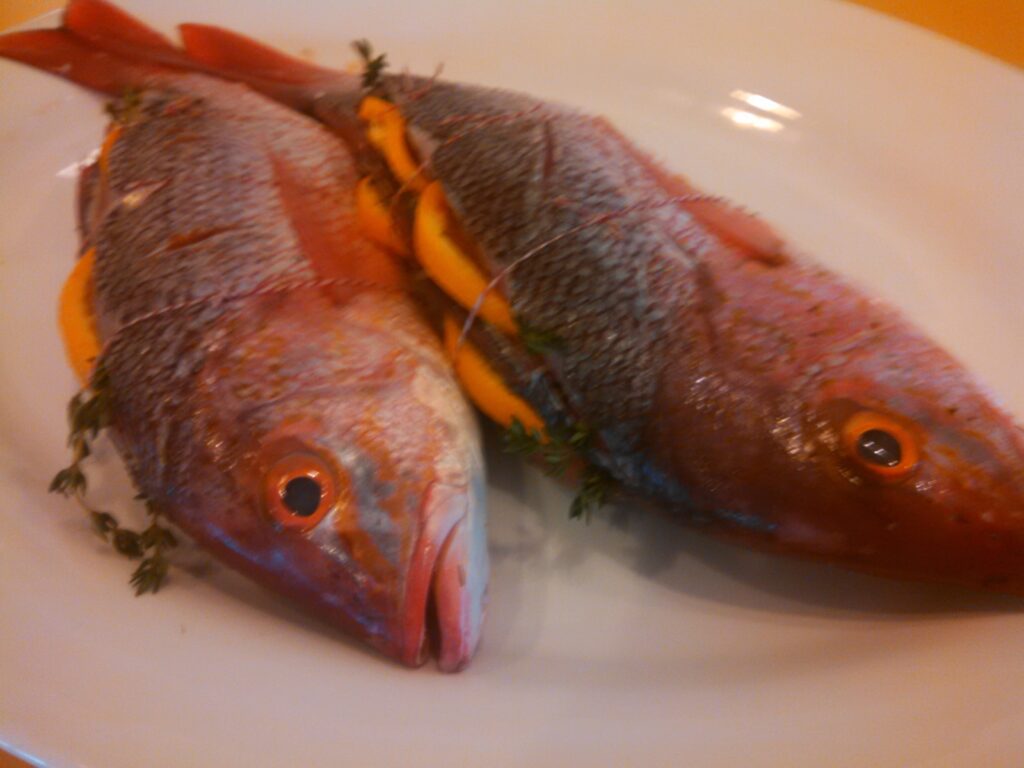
626	642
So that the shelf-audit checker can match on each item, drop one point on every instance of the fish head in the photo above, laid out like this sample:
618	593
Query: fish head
887	457
921	472
813	421
834	430
349	470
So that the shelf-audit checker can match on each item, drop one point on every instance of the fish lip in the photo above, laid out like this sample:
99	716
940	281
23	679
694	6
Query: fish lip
432	555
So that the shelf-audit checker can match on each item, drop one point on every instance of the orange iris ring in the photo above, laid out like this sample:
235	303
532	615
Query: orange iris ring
865	421
293	467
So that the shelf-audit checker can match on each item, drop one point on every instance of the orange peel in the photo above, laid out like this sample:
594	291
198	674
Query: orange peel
484	386
386	131
449	267
375	218
77	318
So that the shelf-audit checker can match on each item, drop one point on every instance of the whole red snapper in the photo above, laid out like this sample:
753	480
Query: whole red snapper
273	389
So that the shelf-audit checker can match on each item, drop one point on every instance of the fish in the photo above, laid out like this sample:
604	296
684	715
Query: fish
272	387
602	304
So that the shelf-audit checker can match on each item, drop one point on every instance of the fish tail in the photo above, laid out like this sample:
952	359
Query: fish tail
99	46
273	73
109	28
59	52
211	51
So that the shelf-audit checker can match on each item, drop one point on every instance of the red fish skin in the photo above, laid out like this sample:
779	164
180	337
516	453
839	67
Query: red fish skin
246	322
719	368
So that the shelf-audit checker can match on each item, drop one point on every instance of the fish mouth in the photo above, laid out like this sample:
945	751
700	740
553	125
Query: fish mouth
443	607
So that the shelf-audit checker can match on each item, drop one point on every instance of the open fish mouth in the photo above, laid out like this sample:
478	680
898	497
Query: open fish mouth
443	610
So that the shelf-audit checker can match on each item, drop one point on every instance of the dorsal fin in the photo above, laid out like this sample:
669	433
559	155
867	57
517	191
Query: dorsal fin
740	228
330	237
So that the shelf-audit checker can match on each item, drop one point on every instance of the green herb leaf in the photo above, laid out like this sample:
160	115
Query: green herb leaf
158	537
128	543
70	481
540	342
151	574
103	522
558	454
127	107
89	412
592	495
519	441
373	66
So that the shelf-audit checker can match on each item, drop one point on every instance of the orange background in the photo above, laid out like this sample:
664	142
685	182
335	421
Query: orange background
993	26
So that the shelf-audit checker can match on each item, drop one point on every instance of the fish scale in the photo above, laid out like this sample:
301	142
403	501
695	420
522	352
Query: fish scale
610	329
187	196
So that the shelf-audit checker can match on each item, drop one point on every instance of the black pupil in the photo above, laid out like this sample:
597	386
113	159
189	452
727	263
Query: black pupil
302	496
879	447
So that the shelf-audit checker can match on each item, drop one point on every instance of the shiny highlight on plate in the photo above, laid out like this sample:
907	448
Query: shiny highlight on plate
764	104
745	119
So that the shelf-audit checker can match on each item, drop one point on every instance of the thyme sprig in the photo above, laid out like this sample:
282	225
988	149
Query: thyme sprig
595	488
373	66
540	342
154	541
89	414
126	108
557	453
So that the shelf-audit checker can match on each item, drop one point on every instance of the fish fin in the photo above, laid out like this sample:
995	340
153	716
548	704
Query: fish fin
59	52
270	71
330	237
733	225
108	27
740	228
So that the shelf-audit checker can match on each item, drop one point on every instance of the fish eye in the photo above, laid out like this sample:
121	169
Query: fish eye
299	490
880	444
302	495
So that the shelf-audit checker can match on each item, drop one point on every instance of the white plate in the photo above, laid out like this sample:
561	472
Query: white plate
625	642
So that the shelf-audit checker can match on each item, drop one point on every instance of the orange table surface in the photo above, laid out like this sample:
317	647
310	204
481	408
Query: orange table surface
993	26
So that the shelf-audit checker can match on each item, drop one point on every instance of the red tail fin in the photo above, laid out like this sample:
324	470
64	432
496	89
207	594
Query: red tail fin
60	52
108	28
278	75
